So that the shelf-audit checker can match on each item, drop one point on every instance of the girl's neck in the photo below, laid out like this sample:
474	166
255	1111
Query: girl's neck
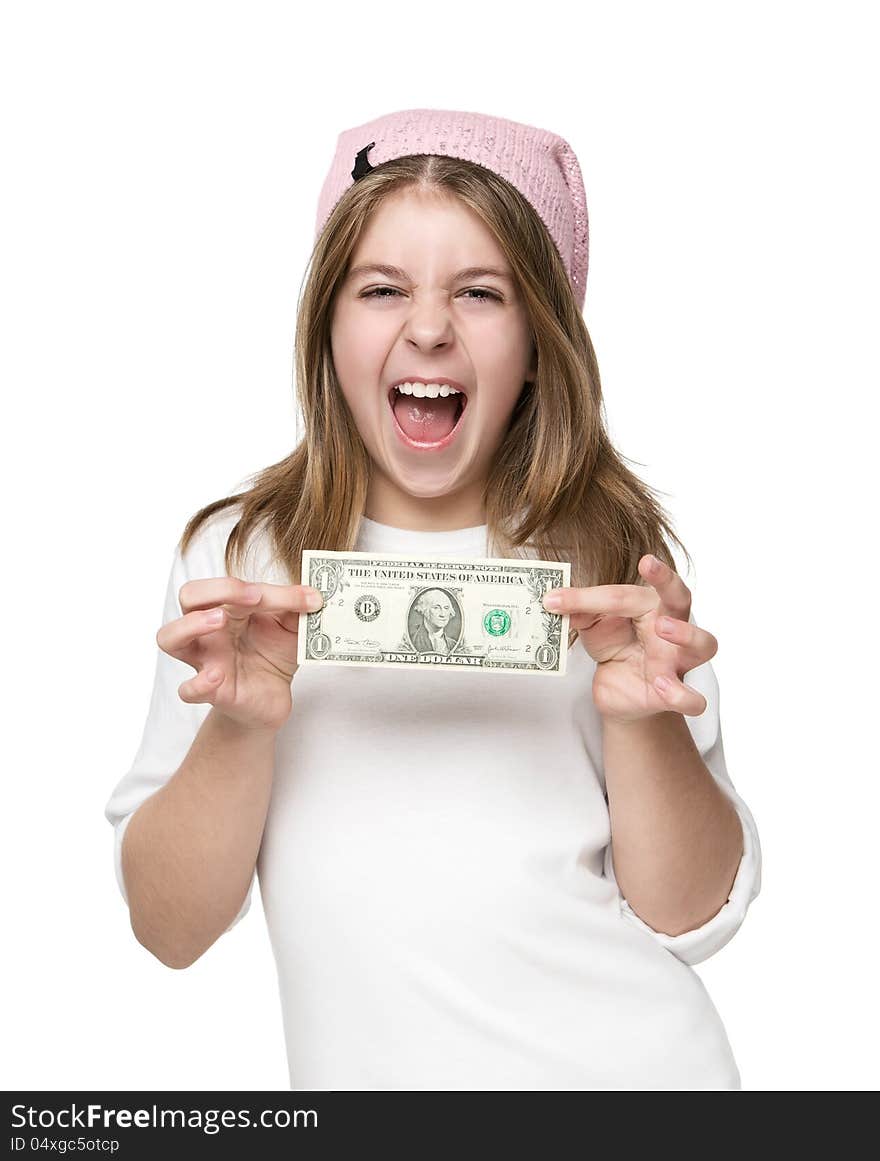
411	513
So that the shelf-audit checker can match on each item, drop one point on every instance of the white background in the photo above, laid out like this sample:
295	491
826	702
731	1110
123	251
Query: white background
162	168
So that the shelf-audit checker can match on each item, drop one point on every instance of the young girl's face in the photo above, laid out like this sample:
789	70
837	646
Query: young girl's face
428	320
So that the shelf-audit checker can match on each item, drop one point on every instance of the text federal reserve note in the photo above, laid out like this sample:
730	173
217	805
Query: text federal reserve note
391	609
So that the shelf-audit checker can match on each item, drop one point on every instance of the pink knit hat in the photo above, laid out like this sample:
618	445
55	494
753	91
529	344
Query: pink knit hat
541	165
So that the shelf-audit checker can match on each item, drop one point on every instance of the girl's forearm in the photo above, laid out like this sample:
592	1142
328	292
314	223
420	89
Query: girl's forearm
677	840
190	849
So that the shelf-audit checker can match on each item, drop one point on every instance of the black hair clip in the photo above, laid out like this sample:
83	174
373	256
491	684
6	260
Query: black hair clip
361	165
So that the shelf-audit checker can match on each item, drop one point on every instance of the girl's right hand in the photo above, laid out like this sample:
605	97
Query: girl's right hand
246	659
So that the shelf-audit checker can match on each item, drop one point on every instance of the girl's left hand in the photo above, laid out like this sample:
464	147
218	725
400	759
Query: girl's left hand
624	629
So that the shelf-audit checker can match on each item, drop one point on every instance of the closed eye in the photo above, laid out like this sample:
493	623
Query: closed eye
374	293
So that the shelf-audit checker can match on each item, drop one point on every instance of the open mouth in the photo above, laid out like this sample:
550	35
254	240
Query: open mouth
425	422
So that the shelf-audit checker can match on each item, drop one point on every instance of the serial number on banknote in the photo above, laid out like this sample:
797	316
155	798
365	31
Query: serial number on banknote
393	610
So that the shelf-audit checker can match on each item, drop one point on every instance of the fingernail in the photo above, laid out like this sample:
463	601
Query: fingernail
552	601
314	601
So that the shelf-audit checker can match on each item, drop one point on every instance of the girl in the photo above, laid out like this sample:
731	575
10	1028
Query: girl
441	860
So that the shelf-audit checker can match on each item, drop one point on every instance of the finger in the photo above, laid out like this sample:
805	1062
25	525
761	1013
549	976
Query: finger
202	687
178	637
289	598
678	696
285	602
219	590
698	642
231	591
617	600
675	596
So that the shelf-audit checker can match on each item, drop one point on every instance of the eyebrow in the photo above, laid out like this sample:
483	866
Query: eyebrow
395	272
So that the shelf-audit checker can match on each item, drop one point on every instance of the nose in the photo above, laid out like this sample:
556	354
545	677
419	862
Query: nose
428	324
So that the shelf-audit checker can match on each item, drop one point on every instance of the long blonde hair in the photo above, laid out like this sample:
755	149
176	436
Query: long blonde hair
558	490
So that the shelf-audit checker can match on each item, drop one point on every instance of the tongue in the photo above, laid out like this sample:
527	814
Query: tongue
426	420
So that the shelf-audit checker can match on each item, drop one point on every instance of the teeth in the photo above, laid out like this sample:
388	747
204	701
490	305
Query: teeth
427	390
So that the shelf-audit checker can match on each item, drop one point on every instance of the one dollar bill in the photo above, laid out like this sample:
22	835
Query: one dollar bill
412	612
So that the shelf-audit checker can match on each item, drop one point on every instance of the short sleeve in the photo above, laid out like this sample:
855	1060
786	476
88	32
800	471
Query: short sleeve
701	942
171	723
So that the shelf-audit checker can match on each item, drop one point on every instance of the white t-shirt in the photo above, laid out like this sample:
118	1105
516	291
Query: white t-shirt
436	873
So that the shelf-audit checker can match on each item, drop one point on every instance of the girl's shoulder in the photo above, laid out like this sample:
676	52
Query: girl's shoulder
256	559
